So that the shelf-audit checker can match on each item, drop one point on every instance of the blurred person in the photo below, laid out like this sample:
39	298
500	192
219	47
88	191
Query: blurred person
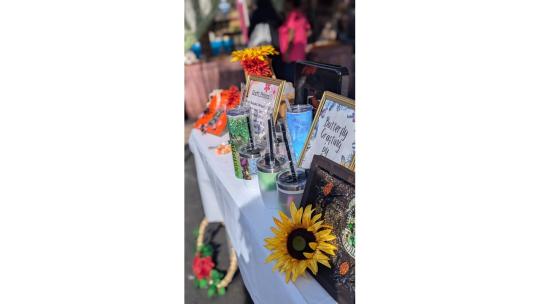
293	38
264	23
346	23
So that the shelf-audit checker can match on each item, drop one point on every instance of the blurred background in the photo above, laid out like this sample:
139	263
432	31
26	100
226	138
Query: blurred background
215	28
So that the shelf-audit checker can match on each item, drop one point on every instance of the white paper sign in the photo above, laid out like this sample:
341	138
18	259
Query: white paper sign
332	134
262	97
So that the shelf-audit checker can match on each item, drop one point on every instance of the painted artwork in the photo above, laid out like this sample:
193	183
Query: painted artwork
332	132
330	189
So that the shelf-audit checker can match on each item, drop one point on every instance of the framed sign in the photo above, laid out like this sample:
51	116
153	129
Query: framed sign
332	132
263	97
330	191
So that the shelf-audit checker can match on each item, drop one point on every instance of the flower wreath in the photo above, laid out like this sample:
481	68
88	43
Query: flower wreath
204	267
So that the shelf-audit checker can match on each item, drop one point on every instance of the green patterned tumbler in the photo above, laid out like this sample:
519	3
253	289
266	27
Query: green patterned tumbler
237	123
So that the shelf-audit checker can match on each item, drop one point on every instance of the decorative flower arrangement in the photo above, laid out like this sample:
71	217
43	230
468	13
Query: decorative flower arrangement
300	242
255	61
206	276
214	120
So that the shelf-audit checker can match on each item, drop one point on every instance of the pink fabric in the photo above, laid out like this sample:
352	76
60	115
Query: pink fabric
205	76
296	50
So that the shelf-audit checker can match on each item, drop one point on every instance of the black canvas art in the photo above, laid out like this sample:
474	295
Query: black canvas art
330	189
311	79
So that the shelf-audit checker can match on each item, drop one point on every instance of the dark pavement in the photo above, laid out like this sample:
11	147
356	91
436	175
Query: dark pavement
236	292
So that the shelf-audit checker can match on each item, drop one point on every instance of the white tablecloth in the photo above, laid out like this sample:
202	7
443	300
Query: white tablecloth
238	204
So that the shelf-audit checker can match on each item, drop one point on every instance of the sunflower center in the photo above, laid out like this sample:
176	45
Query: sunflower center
297	243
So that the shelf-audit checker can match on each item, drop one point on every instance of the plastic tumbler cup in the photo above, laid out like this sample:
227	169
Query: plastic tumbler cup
299	119
267	172
249	156
290	190
238	135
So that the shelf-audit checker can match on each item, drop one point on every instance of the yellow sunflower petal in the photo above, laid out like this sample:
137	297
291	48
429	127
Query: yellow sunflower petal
303	266
294	273
307	216
284	218
327	250
316	217
313	245
320	256
277	222
314	227
297	219
313	266
292	209
287	277
323	234
325	263
327	238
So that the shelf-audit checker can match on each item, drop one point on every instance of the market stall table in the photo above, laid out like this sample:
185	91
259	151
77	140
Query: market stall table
238	204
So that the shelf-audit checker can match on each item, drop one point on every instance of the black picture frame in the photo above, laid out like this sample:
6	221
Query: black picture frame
312	79
336	204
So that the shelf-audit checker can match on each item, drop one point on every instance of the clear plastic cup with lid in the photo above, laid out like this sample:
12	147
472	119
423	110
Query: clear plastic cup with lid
267	171
290	189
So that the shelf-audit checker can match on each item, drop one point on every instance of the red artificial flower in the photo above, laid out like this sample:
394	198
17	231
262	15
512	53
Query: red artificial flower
202	266
257	67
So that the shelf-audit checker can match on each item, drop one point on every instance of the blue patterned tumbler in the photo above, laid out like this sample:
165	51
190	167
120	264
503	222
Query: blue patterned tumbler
299	118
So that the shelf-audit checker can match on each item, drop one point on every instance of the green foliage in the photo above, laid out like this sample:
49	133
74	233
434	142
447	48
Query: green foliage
203	283
212	291
215	275
205	250
221	291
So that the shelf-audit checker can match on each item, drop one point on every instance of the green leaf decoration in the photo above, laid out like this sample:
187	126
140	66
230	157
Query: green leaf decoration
196	232
196	281
212	291
206	250
221	291
215	275
203	283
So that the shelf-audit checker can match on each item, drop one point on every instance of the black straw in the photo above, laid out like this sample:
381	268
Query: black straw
270	140
286	142
251	145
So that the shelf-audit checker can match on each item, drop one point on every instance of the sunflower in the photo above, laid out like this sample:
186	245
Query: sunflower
300	242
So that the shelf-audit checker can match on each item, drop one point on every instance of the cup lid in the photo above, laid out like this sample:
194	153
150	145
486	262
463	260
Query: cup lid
286	182
250	152
298	108
265	165
239	110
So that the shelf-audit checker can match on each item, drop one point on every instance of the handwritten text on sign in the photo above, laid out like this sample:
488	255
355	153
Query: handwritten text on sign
261	99
332	135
